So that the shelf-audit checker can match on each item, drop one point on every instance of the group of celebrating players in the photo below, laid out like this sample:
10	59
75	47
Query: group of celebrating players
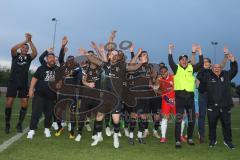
139	92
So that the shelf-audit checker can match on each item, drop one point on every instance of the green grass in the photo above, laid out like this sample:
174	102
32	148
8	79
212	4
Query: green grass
58	148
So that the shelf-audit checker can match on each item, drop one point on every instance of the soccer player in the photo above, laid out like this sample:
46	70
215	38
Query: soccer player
18	81
166	86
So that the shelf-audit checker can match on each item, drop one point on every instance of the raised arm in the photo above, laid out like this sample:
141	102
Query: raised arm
131	49
135	58
171	62
43	55
233	66
100	51
199	65
63	50
225	59
90	57
32	46
193	56
17	46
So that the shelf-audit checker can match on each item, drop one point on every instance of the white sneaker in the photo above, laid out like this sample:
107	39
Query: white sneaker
94	137
108	131
69	127
115	140
155	134
88	127
146	133
78	138
64	124
30	134
97	138
126	132
47	132
55	126
119	134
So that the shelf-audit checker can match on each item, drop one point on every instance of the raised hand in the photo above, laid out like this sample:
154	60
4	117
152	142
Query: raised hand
64	41
132	48
225	50
199	50
170	48
50	50
194	48
82	51
93	45
28	37
101	48
231	57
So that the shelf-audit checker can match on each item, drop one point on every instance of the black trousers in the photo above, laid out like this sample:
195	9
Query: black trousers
41	105
225	118
182	104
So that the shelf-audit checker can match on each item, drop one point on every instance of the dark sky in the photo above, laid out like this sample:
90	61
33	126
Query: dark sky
151	24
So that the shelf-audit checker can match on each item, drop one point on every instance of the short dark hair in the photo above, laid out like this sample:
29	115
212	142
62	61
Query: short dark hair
140	55
208	59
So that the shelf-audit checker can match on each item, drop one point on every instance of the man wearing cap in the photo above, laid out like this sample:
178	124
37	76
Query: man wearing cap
43	97
184	84
18	81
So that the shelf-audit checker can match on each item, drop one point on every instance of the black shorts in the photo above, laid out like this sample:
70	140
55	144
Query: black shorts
15	90
88	104
155	105
142	106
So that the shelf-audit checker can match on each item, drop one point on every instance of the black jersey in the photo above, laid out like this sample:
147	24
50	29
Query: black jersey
94	75
73	76
19	69
115	76
44	75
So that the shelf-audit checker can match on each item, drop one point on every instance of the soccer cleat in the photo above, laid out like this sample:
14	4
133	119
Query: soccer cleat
229	145
63	124
97	138
155	134
163	140
183	139
30	134
94	137
190	142
115	140
145	133
71	135
126	132
59	132
119	134
178	145
7	128
69	127
19	128
55	126
108	131
212	143
141	141
47	132
88	127
78	138
131	141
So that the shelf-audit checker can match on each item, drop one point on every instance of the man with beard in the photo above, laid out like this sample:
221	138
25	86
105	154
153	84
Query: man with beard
43	97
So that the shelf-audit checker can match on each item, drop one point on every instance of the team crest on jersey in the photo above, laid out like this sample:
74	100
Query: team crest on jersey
50	76
222	79
22	60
